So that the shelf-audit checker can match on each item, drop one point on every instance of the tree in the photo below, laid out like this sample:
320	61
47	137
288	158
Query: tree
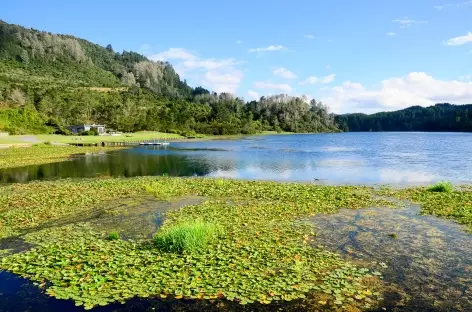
18	97
110	48
24	57
128	79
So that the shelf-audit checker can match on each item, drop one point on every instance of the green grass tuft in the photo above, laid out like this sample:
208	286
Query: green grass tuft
113	236
442	187
187	236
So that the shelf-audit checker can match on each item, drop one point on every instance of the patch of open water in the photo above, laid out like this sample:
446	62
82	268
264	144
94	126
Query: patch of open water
429	259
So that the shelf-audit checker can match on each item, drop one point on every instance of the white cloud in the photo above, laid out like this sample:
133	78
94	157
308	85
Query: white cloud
173	54
416	88
449	5
220	75
267	49
391	34
254	94
405	23
285	87
459	40
223	82
466	77
313	80
284	73
309	36
239	41
211	64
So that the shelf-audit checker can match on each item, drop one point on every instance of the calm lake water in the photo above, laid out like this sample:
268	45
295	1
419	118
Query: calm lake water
427	259
341	158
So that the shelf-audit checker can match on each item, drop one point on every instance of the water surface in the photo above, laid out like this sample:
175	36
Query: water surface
341	158
428	260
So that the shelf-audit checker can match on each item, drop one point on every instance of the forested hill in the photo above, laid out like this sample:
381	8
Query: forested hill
49	81
440	117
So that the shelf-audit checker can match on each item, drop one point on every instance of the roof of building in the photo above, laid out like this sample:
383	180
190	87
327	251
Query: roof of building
90	125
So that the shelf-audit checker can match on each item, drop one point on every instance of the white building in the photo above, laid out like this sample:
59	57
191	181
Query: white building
77	129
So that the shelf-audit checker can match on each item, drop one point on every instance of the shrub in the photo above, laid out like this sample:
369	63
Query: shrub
442	187
89	132
42	144
113	236
187	236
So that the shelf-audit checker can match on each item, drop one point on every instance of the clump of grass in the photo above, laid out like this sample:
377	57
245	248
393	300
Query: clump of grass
393	235
113	236
187	236
442	187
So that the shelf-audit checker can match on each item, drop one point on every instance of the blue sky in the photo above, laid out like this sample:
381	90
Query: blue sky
365	55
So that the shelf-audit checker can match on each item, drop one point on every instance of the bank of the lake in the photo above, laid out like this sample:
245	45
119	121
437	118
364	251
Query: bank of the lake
44	153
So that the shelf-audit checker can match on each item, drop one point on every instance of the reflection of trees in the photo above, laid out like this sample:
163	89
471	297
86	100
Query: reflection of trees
121	164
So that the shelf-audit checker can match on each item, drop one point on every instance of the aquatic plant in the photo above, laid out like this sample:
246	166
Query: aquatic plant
113	236
455	205
44	153
261	254
187	236
442	187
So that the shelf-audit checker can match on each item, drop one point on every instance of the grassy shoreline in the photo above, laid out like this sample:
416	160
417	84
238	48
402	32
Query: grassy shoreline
31	139
44	154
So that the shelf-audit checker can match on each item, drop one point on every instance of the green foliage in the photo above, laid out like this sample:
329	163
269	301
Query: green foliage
440	117
43	153
113	236
190	236
442	187
445	203
22	121
90	132
261	255
68	80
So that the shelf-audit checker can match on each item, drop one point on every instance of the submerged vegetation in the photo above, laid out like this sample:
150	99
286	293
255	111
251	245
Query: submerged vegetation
439	200
43	154
256	243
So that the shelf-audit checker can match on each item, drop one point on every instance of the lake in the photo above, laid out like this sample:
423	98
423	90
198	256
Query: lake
340	158
427	259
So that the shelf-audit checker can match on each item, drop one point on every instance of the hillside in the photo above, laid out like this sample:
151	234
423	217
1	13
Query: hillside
49	81
440	117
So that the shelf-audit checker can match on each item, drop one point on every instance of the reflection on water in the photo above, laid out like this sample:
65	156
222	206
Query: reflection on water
429	259
342	158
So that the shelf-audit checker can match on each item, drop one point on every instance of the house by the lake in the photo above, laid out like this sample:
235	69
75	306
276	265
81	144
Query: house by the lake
76	129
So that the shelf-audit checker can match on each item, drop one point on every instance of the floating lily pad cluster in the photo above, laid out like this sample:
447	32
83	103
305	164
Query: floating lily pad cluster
261	255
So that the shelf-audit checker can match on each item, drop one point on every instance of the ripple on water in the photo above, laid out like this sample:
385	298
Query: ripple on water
429	259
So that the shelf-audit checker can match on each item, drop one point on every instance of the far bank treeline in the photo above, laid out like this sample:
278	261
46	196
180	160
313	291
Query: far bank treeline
49	81
440	117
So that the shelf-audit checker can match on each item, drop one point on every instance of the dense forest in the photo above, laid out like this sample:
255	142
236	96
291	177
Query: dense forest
49	81
440	117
